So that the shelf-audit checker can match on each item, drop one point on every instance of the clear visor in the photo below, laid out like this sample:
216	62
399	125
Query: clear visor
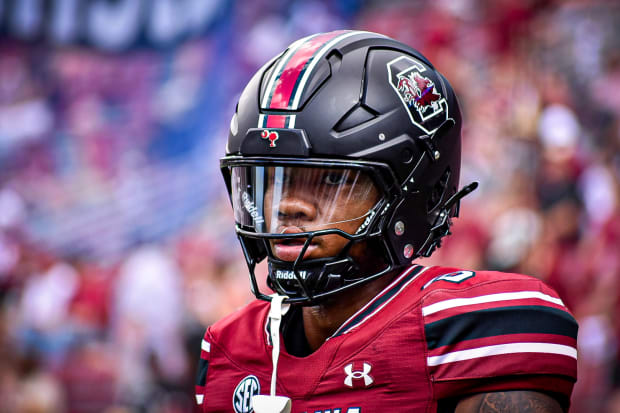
284	199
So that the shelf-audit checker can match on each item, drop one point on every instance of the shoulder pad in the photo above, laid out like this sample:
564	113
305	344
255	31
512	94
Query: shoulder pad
492	324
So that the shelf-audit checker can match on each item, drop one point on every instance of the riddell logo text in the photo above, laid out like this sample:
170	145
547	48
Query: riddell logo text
289	275
251	208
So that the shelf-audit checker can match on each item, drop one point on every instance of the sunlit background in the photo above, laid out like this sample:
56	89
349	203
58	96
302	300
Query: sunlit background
117	245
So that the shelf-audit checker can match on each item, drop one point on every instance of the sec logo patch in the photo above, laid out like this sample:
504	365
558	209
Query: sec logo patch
242	397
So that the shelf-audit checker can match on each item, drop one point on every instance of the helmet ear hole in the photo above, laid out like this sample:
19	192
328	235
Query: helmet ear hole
438	193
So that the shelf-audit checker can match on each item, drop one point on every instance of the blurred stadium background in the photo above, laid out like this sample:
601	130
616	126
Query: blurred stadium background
117	246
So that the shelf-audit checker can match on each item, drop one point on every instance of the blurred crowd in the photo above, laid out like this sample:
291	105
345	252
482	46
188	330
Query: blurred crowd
117	245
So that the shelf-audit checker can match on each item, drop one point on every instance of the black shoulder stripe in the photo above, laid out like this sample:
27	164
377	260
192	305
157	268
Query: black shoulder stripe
201	374
531	319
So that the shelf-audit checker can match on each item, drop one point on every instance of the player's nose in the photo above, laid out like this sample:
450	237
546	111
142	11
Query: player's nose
294	209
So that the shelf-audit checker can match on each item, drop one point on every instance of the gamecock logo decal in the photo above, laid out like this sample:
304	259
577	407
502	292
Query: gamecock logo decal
419	93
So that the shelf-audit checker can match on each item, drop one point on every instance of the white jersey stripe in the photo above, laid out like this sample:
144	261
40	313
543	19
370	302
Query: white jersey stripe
206	346
490	298
511	348
200	398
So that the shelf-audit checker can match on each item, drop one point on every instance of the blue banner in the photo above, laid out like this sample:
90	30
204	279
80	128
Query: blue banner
110	25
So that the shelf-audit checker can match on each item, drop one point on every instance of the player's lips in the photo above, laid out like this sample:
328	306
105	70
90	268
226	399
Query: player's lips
289	250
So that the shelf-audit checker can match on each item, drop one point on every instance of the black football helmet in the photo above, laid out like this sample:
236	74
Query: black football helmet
342	163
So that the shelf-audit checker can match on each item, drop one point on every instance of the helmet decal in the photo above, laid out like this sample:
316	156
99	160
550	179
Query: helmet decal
418	91
272	136
292	72
426	106
276	121
289	78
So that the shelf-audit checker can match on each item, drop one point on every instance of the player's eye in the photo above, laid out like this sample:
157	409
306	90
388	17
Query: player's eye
281	176
335	177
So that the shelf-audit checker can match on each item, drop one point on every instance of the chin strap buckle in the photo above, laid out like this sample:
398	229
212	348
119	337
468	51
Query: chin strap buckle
272	403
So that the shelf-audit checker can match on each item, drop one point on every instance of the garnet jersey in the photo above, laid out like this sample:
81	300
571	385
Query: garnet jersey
433	333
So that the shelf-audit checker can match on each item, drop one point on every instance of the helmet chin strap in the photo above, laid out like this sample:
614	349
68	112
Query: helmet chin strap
272	403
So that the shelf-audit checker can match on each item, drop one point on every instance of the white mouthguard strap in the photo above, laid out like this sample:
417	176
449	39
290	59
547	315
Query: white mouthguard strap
273	403
276	312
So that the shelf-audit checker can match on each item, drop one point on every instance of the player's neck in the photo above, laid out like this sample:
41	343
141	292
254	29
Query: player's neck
321	321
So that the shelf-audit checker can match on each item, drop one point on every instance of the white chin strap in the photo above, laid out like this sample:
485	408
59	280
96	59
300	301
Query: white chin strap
272	403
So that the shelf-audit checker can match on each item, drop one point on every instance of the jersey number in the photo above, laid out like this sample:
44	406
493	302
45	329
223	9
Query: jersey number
453	277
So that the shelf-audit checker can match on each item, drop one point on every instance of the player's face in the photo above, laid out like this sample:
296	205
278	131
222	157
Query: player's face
310	199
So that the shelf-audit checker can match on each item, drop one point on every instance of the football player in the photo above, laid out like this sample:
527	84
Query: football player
342	165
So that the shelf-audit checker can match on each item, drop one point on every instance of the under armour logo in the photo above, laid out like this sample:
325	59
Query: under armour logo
348	369
272	136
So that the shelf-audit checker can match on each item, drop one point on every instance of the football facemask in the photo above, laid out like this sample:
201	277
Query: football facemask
312	221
